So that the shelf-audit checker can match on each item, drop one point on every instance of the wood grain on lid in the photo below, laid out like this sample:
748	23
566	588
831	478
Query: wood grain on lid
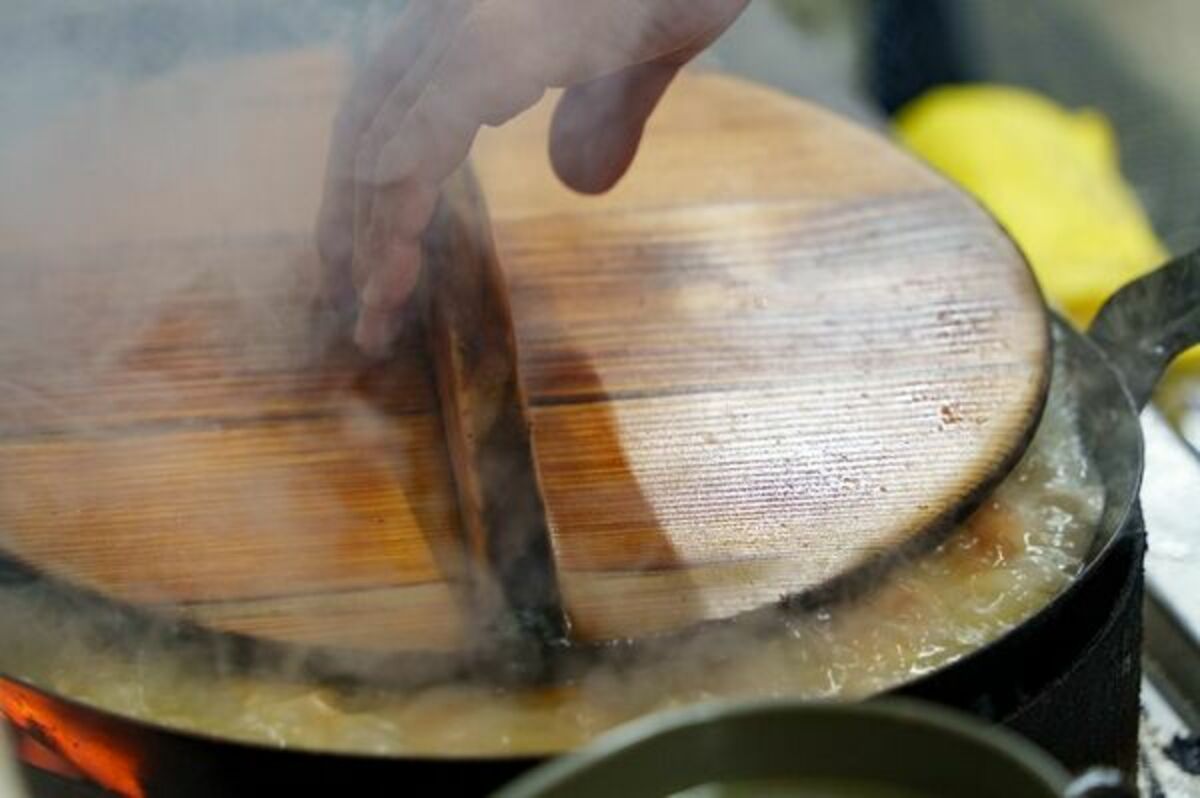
779	349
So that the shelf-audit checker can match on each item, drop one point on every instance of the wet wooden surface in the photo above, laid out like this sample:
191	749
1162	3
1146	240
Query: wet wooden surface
778	350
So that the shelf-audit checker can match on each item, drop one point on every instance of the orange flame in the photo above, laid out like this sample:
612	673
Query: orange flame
103	758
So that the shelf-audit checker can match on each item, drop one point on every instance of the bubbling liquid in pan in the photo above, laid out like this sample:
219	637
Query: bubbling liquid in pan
1007	561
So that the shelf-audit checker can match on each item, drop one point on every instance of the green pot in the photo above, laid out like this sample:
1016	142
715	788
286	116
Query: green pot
786	748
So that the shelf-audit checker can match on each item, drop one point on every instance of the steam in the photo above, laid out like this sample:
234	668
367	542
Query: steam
116	270
83	355
924	617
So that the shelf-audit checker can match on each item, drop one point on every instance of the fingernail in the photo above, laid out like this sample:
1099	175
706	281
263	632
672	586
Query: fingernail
373	333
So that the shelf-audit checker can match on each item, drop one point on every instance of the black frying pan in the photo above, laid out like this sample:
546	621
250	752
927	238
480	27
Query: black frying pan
1067	677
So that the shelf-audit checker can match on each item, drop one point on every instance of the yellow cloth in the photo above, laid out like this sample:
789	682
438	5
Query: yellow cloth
1051	176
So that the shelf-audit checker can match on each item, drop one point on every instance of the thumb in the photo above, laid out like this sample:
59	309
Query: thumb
598	125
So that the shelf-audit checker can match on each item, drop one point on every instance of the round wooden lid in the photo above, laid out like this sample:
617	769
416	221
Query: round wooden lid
780	350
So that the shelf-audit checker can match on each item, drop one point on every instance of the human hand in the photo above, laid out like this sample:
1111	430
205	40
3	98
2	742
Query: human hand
450	67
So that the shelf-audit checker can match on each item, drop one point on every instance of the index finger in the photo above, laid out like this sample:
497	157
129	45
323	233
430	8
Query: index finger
420	24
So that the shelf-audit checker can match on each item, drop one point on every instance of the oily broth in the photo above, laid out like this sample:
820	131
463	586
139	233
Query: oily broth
1018	551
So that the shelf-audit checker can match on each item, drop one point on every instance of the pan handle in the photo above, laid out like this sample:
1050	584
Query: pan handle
1147	323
